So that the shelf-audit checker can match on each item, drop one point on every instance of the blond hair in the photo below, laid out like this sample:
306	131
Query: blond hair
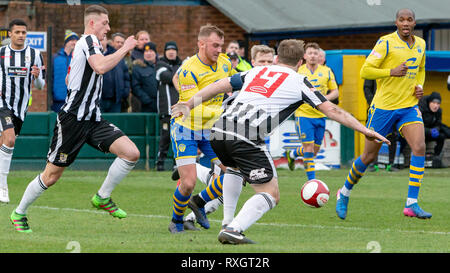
141	32
263	49
291	51
207	30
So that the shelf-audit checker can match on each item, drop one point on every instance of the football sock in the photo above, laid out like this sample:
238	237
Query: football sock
308	161
116	173
416	170
180	203
232	188
213	190
32	192
5	163
297	152
252	210
355	173
203	173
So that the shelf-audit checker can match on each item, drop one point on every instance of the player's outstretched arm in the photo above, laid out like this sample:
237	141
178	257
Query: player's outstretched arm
340	115
210	91
102	64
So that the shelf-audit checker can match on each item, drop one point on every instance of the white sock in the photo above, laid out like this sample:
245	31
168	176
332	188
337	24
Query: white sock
6	154
411	201
231	187
212	205
118	170
202	173
252	211
345	192
32	192
292	154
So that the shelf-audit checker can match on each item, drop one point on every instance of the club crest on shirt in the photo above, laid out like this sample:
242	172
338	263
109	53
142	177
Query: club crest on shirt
8	120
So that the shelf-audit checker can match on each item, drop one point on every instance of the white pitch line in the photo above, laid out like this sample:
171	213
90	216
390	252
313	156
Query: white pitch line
262	224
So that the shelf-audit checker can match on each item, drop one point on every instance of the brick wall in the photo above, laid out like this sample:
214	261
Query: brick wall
164	23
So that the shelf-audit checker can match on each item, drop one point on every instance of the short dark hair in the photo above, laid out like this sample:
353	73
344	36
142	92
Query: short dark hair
397	14
118	34
16	22
291	51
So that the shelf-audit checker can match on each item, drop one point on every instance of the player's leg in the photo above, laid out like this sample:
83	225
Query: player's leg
107	138
68	138
35	188
291	155
256	165
414	134
10	127
185	152
211	192
8	139
382	122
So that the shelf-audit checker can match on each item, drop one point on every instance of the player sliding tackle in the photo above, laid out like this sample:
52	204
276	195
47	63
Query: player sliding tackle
268	96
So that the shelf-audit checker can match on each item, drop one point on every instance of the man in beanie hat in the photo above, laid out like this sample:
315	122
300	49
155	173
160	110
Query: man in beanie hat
435	130
166	68
60	65
143	79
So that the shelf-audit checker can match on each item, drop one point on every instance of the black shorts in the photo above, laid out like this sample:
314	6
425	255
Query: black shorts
70	135
253	161
9	120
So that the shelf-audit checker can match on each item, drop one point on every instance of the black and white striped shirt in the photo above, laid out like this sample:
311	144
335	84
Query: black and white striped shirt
16	77
268	96
84	89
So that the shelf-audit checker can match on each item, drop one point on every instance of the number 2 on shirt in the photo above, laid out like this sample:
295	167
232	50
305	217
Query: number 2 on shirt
266	82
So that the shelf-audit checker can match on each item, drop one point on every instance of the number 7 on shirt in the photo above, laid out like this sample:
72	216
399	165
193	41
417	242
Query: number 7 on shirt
266	82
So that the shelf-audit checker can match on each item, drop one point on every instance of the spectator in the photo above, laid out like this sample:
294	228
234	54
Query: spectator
116	83
61	64
143	38
117	42
234	59
166	68
435	130
242	65
144	84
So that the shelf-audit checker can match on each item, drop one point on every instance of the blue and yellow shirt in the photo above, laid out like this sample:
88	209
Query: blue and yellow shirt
323	80
389	52
193	76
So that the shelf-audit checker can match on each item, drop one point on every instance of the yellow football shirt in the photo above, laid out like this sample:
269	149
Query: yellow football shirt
323	80
193	76
389	52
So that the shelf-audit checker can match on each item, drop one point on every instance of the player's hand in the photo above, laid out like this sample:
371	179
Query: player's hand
35	71
130	43
400	70
374	136
418	92
180	109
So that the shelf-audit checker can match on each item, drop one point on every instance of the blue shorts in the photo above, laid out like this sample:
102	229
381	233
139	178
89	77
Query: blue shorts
385	121
185	144
310	129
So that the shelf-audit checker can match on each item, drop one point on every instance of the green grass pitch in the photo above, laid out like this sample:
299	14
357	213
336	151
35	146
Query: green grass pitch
63	219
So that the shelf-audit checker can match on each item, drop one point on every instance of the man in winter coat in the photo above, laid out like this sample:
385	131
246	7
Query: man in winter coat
116	84
435	130
61	64
167	96
143	79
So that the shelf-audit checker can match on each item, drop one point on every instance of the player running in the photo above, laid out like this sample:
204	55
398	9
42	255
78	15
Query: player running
310	122
268	96
207	66
397	62
80	122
